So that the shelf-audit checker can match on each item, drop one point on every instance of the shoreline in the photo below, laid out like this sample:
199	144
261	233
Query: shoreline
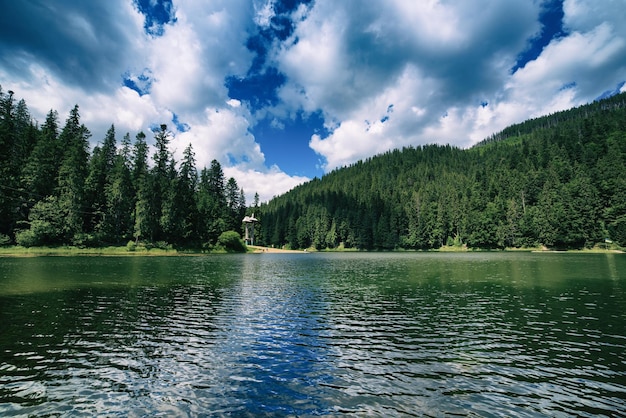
269	250
122	251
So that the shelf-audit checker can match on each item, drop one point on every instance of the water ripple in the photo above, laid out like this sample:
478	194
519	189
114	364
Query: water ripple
314	335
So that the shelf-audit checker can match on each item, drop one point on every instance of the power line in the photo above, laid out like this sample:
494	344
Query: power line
22	191
41	198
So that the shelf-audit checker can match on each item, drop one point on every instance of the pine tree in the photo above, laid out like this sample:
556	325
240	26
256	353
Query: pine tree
72	175
212	203
160	183
120	197
42	168
143	225
233	205
100	169
241	210
186	198
8	189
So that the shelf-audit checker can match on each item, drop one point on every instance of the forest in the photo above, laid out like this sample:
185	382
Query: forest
557	181
56	191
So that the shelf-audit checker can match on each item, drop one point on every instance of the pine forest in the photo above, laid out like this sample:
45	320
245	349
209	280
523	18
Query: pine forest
54	191
557	181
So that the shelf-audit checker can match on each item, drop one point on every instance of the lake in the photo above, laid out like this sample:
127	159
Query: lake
355	334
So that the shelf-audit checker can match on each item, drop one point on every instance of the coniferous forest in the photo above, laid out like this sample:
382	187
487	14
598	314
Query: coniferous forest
54	191
557	181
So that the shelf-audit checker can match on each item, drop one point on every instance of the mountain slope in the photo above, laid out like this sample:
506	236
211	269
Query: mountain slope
557	181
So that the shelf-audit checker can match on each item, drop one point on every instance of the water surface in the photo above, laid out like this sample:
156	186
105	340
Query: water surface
424	334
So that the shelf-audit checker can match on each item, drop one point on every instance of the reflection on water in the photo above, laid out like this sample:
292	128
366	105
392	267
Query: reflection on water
314	334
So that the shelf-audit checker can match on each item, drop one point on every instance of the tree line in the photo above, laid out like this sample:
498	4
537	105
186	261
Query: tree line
54	191
557	181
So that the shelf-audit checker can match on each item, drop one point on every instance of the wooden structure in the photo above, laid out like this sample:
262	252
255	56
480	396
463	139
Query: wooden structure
248	224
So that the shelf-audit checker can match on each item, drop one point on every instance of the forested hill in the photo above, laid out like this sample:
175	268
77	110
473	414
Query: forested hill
552	121
558	181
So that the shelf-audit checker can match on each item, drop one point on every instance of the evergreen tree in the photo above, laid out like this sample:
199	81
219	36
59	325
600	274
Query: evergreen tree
241	209
143	225
9	187
187	190
555	181
160	185
120	197
72	175
42	168
97	182
171	222
232	194
212	206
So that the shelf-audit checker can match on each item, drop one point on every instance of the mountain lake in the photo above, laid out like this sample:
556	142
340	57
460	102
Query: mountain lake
324	334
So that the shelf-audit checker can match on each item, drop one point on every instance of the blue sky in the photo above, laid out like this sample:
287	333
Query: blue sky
281	91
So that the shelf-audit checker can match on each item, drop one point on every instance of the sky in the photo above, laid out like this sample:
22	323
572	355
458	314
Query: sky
282	91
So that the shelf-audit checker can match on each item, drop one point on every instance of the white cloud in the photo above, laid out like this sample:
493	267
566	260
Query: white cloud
264	12
205	46
445	68
570	71
268	183
384	74
586	15
233	103
347	60
186	67
388	120
222	134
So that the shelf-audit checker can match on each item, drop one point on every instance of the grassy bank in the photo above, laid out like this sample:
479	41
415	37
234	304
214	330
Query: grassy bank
18	251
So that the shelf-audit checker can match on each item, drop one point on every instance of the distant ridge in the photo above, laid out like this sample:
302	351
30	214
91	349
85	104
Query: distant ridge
555	181
617	101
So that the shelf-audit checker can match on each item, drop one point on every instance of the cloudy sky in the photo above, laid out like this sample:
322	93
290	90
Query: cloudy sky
280	91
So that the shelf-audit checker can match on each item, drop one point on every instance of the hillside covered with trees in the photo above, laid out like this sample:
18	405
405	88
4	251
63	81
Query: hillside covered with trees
55	191
557	181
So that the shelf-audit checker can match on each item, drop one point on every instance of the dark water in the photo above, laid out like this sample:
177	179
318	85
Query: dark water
314	334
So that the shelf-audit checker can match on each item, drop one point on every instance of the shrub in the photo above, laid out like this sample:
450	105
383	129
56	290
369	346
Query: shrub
40	233
231	242
26	238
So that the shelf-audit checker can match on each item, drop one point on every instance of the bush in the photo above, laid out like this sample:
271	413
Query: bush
26	238
40	233
231	242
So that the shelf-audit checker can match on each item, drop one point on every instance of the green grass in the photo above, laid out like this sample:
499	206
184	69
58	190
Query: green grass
18	251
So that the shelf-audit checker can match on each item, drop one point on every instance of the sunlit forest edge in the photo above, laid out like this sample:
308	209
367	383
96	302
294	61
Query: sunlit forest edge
555	182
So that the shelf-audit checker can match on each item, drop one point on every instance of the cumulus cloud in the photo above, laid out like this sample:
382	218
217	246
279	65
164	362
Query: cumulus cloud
77	42
382	74
111	60
222	134
268	183
194	56
570	71
348	61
